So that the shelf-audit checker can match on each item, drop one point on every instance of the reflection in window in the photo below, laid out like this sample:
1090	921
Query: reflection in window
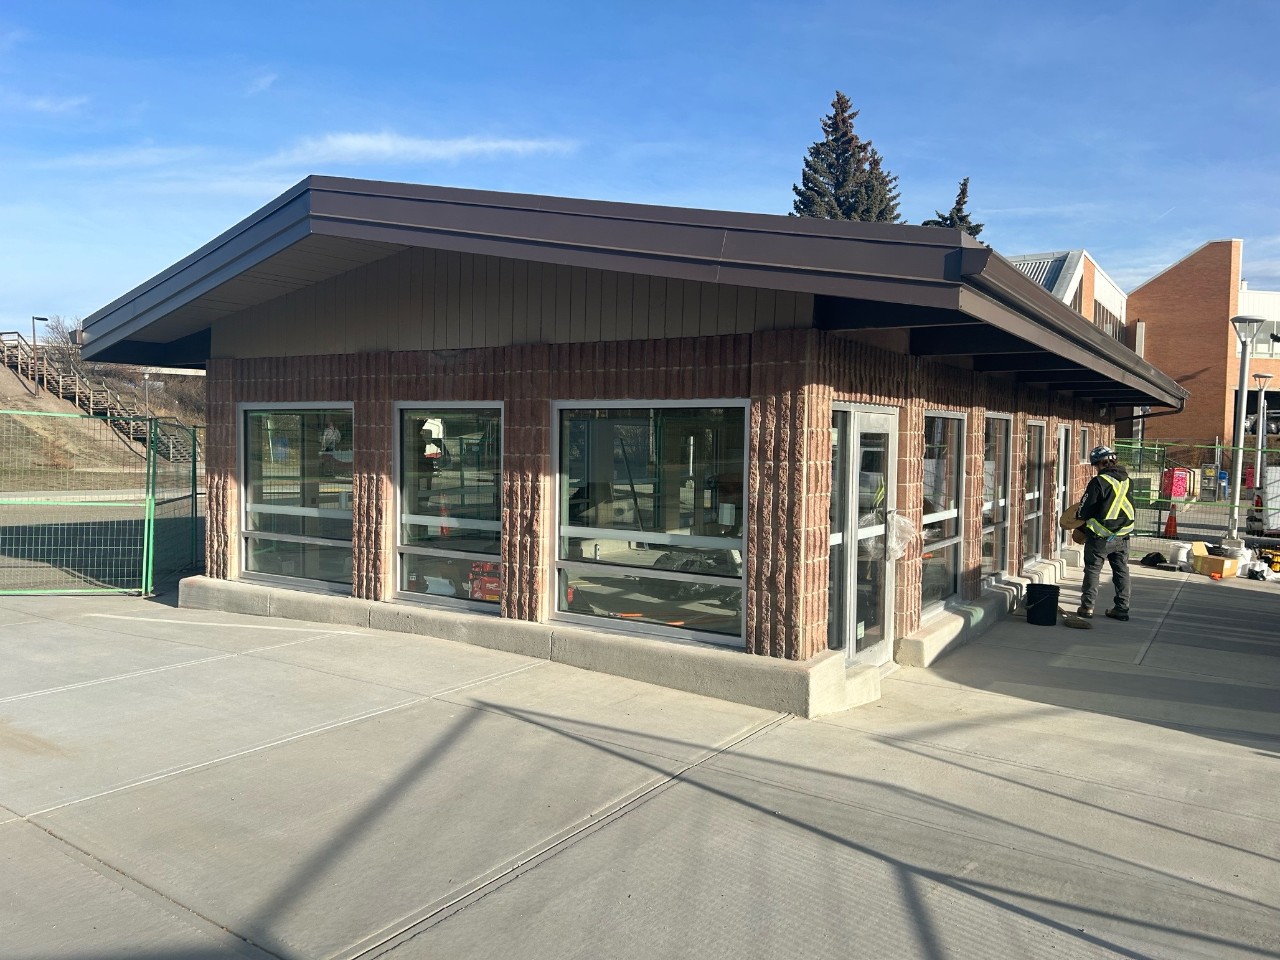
995	496
297	496
943	462
1033	493
451	503
651	513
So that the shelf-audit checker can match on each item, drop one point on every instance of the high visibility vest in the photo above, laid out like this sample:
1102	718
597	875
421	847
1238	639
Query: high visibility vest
1118	505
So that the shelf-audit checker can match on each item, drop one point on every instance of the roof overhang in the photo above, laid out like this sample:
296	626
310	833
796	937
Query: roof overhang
955	295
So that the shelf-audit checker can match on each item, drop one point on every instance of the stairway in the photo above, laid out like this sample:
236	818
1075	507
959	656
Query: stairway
128	417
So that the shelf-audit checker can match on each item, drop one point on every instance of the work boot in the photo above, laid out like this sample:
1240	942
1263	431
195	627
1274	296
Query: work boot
1115	614
1086	612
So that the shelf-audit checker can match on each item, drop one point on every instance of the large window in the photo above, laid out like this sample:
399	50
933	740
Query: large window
451	503
1033	493
651	515
995	496
1266	343
943	481
297	494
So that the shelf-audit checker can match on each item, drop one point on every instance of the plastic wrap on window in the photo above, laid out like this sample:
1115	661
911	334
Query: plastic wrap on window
902	532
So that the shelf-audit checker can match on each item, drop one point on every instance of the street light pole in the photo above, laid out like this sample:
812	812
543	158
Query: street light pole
1246	329
35	373
1260	435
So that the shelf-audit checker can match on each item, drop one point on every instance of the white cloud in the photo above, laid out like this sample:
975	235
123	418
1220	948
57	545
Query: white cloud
126	157
1057	211
11	38
40	104
337	148
261	84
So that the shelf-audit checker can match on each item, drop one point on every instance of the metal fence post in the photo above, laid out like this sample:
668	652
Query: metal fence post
195	496
149	520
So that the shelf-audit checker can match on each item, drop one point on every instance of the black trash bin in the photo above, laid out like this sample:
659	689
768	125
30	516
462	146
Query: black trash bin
1042	604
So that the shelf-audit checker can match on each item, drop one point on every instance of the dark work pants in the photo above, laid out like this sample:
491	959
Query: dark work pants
1096	551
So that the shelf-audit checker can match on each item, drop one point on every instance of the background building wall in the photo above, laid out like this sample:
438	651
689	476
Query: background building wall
1187	310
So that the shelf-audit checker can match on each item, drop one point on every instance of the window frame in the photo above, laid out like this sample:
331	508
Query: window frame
243	409
1263	346
1036	515
1084	444
1001	527
399	548
649	630
956	542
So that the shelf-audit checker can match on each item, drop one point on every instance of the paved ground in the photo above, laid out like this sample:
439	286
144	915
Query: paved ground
180	784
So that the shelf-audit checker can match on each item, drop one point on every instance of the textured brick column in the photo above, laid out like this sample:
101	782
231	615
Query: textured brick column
782	564
373	506
910	570
820	393
222	516
971	504
1017	509
527	484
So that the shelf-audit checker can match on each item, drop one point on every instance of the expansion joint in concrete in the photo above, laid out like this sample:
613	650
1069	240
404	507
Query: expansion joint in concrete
472	893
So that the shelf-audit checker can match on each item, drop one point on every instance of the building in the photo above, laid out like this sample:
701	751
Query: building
638	439
1186	311
1075	278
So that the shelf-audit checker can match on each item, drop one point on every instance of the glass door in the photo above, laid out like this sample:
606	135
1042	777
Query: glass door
864	454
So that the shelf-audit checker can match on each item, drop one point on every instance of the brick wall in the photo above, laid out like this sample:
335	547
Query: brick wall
792	377
1187	310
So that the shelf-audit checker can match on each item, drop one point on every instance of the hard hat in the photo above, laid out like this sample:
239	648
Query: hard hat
1098	454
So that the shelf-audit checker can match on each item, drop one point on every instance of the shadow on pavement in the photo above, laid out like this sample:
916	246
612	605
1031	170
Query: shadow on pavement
1198	656
765	791
1103	899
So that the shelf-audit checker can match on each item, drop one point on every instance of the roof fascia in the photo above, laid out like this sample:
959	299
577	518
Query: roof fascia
272	229
1006	298
888	262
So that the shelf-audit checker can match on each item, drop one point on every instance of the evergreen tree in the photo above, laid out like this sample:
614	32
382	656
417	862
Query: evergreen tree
957	216
878	191
844	176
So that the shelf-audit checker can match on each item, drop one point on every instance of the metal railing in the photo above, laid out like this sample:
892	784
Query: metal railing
128	416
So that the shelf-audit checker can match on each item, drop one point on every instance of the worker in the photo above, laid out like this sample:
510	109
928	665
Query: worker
1108	517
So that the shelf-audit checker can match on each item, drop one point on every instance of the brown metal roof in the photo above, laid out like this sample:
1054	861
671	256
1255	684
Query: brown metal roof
956	295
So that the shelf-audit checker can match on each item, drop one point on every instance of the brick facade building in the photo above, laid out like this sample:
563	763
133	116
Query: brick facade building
1186	311
639	437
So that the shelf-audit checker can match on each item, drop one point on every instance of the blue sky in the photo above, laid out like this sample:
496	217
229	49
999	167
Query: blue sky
131	133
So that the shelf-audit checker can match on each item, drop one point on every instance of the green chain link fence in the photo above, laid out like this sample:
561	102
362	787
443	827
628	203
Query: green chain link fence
1192	482
95	504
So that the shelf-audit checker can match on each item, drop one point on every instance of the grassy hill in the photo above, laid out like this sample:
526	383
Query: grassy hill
60	453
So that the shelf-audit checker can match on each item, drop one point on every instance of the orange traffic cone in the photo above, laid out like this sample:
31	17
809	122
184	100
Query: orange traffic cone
1171	525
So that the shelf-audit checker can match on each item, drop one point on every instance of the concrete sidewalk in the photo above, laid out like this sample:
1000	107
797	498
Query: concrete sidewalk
186	784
